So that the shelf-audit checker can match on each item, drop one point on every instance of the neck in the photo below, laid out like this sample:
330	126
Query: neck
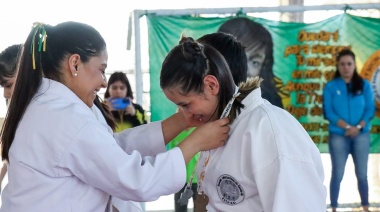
347	79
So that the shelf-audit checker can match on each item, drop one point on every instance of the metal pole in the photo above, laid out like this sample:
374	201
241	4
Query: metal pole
291	8
138	70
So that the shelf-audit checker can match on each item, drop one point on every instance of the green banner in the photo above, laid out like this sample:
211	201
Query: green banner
303	61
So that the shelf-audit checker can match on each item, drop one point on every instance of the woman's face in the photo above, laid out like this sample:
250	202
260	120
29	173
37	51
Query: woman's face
201	107
346	66
91	78
255	59
118	90
8	86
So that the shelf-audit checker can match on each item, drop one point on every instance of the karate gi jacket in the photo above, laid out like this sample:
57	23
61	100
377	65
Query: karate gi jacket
63	159
269	163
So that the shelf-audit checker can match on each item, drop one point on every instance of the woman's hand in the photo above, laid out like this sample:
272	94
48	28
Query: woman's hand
206	137
352	132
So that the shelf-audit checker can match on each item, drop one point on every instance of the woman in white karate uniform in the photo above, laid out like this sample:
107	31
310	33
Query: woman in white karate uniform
269	162
60	156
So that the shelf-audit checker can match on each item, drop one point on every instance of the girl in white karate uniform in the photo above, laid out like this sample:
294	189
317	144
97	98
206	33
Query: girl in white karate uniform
60	156
269	162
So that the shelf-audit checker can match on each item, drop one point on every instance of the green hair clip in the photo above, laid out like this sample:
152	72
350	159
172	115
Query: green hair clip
37	26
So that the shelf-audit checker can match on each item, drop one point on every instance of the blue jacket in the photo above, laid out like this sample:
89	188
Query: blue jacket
338	103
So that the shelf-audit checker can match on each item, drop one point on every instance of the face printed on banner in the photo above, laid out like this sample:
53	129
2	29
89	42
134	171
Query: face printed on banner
256	57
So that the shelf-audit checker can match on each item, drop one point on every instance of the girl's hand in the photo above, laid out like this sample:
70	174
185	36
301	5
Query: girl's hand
130	109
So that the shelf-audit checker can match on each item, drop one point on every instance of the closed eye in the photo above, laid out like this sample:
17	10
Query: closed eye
184	105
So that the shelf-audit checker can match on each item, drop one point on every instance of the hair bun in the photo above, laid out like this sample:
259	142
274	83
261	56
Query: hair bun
190	48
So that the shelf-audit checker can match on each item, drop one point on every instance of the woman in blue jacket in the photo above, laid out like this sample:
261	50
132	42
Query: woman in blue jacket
349	107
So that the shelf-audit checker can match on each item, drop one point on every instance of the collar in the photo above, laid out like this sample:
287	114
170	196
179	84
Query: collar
51	89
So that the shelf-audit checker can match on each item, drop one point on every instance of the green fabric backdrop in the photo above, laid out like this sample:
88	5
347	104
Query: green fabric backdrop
302	62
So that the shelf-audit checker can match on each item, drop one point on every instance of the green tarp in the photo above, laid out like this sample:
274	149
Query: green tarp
303	56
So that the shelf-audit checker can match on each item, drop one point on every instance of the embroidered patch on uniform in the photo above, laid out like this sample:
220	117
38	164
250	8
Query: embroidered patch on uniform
229	190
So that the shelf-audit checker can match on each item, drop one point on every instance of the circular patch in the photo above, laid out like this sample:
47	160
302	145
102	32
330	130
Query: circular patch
229	190
371	72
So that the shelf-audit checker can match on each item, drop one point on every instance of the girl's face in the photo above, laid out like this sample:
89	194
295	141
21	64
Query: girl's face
118	90
201	107
255	59
8	86
346	66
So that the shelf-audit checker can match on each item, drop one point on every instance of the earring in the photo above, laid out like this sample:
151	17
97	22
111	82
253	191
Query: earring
75	74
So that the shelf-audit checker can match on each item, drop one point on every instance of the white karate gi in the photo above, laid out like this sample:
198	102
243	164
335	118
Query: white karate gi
269	164
63	159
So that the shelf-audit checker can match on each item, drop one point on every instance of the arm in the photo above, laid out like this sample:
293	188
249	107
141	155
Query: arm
157	133
283	185
140	137
173	125
367	113
286	164
97	160
369	110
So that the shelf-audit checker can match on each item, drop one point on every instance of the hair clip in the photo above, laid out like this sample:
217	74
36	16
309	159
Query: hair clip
38	26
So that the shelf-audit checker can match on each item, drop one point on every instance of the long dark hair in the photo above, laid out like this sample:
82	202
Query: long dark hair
189	62
356	80
254	35
122	77
232	51
106	112
44	50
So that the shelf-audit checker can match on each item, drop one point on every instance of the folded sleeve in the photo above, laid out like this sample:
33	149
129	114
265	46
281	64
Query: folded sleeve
289	185
95	158
141	137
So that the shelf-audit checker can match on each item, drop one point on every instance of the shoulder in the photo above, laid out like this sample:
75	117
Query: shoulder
366	83
138	107
331	83
259	117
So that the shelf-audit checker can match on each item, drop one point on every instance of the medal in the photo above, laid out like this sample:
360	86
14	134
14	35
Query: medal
185	195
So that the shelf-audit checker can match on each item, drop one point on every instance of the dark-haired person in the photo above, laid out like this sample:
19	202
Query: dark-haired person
269	162
233	52
60	156
349	106
8	70
259	49
132	115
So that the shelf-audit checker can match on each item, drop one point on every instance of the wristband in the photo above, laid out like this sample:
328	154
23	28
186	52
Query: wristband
359	126
347	127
